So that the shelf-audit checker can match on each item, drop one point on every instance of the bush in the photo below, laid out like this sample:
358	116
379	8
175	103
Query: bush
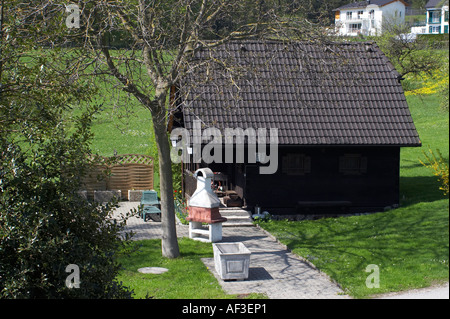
439	166
444	89
46	226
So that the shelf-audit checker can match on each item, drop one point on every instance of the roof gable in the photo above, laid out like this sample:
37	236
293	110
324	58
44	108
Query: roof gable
335	94
436	4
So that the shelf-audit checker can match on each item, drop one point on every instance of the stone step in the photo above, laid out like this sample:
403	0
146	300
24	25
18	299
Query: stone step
230	223
234	212
236	217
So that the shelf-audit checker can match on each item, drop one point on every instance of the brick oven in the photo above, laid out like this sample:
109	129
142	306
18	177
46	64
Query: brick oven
204	209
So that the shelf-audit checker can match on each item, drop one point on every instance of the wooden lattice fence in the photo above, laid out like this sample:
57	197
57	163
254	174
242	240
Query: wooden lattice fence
127	172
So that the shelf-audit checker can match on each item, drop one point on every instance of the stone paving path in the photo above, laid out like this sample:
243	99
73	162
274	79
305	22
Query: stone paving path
273	271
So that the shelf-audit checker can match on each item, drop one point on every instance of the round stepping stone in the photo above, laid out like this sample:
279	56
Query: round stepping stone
153	270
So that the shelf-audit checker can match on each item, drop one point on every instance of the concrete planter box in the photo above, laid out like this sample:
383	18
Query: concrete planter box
232	260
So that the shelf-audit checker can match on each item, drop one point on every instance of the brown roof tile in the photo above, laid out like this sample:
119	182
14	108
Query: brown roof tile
347	94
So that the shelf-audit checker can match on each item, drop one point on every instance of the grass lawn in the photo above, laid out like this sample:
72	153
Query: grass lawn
187	277
410	245
126	129
417	184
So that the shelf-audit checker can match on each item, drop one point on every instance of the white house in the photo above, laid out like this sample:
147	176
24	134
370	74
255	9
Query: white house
437	16
367	17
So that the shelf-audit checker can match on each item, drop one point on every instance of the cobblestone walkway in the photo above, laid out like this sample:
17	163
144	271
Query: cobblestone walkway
274	271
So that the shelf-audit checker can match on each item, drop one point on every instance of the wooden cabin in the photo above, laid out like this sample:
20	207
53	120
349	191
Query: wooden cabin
340	112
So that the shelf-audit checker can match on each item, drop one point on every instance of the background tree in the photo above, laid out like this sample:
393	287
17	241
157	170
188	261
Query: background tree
143	48
161	38
409	56
44	224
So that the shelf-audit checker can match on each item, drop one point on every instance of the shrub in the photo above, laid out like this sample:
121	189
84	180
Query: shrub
444	88
181	206
439	166
46	226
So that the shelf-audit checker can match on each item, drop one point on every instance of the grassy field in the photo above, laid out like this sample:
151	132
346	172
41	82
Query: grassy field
126	129
123	126
417	184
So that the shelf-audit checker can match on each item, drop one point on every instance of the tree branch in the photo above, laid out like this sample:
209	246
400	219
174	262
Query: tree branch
128	85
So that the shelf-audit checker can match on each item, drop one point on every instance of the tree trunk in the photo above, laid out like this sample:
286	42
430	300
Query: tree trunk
169	241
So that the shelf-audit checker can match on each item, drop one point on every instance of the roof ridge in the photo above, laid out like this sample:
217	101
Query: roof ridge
280	41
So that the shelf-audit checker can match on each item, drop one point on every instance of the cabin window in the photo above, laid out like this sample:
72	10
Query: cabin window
352	164
296	164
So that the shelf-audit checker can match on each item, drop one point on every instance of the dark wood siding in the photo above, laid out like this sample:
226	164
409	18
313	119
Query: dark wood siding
375	187
326	177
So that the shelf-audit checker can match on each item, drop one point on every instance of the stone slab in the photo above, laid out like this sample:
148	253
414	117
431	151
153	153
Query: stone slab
153	270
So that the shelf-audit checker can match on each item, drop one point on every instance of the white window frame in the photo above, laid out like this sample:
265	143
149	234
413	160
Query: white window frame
435	29
435	16
352	29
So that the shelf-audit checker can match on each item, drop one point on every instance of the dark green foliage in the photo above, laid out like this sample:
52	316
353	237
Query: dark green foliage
45	225
44	152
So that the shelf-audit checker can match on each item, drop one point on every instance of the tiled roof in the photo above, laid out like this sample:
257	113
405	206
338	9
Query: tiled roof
335	94
436	4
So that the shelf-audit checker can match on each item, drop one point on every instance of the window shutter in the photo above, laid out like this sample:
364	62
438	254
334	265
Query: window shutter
307	164
285	164
363	164
296	164
341	164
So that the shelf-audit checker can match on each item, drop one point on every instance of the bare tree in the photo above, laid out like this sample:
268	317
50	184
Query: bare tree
143	48
409	54
162	37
